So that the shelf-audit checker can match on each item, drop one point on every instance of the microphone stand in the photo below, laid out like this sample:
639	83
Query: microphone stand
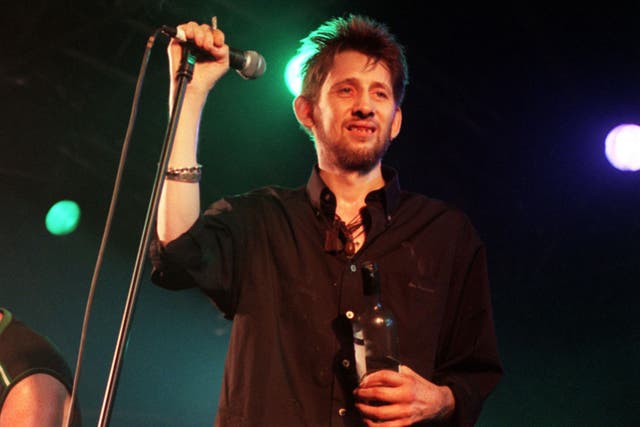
184	76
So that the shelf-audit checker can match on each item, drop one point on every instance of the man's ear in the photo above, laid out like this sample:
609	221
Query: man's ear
396	124
303	108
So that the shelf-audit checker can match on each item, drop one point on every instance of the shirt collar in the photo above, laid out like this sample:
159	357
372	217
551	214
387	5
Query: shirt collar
323	199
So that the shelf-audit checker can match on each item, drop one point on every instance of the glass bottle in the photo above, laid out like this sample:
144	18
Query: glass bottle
375	338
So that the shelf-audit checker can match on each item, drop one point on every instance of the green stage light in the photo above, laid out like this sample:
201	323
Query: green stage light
63	217
292	75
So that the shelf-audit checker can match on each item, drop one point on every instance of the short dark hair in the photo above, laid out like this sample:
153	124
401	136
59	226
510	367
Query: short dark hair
352	32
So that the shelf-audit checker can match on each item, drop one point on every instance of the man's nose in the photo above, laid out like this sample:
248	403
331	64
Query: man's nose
363	107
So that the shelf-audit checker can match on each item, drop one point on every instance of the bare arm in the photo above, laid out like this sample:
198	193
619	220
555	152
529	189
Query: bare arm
180	201
39	400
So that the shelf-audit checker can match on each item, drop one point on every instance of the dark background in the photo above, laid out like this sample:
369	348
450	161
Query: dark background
506	116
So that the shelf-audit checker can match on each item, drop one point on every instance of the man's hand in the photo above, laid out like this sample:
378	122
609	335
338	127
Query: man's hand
408	398
206	73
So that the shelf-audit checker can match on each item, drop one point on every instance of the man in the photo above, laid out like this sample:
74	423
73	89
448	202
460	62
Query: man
285	265
35	381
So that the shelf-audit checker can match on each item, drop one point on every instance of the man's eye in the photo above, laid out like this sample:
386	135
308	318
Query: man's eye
345	90
382	94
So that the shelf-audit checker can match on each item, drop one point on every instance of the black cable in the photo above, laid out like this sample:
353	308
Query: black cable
109	220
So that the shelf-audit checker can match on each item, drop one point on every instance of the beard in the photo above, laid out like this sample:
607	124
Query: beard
350	158
359	159
346	151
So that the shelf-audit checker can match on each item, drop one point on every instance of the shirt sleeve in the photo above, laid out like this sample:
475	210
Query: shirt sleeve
468	360
203	257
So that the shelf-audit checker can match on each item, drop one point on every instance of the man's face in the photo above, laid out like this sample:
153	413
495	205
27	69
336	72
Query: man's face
355	117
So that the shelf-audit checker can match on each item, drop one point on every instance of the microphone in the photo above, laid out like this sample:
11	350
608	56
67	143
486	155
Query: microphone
249	63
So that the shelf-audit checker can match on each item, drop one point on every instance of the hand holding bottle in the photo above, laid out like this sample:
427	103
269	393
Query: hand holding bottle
409	398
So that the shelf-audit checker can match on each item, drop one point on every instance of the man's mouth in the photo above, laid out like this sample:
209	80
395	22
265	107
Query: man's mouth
361	129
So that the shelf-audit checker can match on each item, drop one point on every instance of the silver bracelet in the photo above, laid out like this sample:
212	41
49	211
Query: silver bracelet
189	174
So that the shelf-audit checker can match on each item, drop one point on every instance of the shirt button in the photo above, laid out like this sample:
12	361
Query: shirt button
349	314
353	268
346	363
342	412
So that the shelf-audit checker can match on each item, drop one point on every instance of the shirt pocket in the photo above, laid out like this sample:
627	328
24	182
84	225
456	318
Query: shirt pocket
417	302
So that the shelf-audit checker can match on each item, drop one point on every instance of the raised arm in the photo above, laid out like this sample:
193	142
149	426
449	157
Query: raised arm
180	201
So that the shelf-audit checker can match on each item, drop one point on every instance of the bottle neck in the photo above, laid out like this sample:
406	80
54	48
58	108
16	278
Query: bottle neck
370	280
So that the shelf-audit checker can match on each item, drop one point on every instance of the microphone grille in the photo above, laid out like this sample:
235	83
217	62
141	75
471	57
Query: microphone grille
254	66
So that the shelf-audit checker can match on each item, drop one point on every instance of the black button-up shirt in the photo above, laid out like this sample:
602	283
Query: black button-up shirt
261	257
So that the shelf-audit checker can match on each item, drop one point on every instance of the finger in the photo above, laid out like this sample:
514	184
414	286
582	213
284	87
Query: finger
207	42
200	35
218	38
189	29
381	394
203	36
383	377
378	423
392	423
384	413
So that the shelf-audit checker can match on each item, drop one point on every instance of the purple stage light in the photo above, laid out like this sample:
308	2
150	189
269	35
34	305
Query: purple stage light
622	147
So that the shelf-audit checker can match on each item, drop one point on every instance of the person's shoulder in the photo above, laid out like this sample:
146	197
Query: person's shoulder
257	199
269	194
27	339
275	192
434	210
430	206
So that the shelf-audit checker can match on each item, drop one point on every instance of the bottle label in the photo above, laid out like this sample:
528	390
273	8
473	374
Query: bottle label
360	354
